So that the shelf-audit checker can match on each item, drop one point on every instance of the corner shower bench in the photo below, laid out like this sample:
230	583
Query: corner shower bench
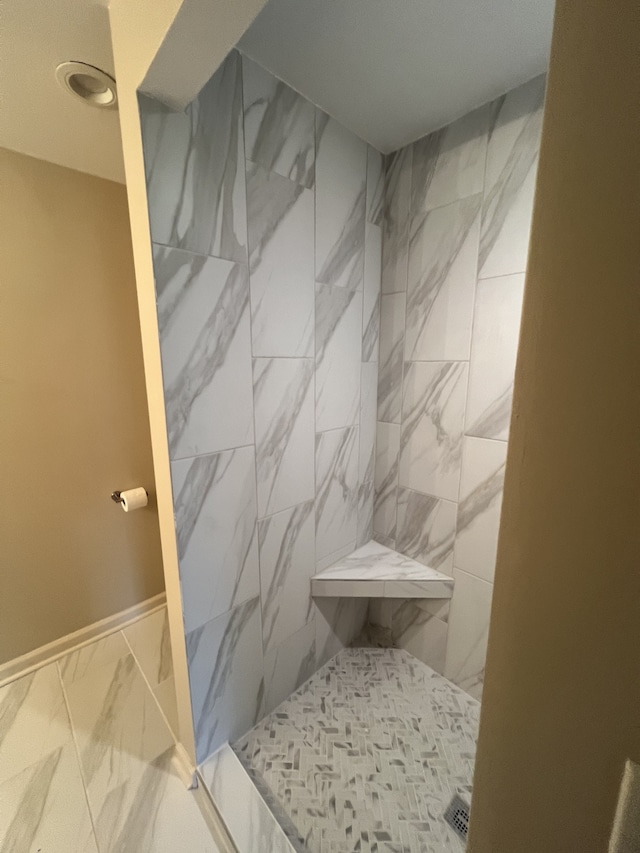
375	571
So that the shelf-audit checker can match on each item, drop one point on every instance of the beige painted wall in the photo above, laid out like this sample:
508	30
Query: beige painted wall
74	422
561	705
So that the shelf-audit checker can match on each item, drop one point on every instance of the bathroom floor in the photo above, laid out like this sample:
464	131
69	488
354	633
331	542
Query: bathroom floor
87	753
366	756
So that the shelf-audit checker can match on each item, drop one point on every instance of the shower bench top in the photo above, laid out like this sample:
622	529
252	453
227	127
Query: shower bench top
375	571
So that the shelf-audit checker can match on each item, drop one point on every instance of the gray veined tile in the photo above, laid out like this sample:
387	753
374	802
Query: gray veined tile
365	512
203	312
338	356
279	125
151	645
289	665
392	328
281	264
386	481
338	622
395	233
215	514
483	464
226	676
341	167
426	529
417	631
92	656
368	405
468	632
432	427
496	331
512	154
375	186
287	564
33	720
449	164
194	166
371	294
336	489
285	433
441	282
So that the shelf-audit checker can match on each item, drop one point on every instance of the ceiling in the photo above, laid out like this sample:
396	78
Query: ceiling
393	70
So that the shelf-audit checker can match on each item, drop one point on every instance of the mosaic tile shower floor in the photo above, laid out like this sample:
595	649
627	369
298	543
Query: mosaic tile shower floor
366	756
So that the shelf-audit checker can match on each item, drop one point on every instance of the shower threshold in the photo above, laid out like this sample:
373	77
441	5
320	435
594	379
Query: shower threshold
366	756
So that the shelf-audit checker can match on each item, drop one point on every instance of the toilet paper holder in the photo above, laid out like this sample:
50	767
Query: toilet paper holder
115	496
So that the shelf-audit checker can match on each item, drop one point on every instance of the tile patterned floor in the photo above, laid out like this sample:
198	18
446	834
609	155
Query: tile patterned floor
366	756
87	755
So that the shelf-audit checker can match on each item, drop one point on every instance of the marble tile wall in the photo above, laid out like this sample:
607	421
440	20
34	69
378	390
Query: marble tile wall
455	234
266	217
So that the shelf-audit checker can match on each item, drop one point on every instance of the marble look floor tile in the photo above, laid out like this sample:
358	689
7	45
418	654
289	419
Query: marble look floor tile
392	327
33	720
341	166
496	332
249	820
432	427
395	233
386	479
338	623
368	406
279	125
468	632
283	391
92	656
289	665
512	153
226	676
117	726
151	646
371	295
449	164
216	514
281	264
165	693
338	357
43	808
203	315
194	165
426	529
481	484
365	513
443	253
336	489
287	563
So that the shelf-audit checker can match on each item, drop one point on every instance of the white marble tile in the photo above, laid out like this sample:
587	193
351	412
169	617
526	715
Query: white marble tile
449	164
43	807
496	332
395	235
247	817
368	406
226	676
165	693
215	513
481	485
92	656
281	264
374	561
331	558
386	479
512	154
289	665
392	327
338	622
417	631
33	720
341	167
287	563
432	427
279	125
443	252
338	356
336	490
375	186
426	529
203	316
151	646
371	294
194	165
468	632
365	512
420	590
345	588
285	432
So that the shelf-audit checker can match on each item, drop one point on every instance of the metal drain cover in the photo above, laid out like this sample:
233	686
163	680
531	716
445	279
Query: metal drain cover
457	816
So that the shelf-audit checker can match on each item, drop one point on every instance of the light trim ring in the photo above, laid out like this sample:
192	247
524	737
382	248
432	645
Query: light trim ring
90	84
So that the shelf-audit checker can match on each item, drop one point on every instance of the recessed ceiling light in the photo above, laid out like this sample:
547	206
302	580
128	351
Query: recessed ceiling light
91	84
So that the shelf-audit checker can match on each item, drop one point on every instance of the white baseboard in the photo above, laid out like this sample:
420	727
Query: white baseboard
25	664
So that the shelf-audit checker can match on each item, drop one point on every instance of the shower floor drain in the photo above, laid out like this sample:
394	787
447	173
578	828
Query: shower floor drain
457	816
